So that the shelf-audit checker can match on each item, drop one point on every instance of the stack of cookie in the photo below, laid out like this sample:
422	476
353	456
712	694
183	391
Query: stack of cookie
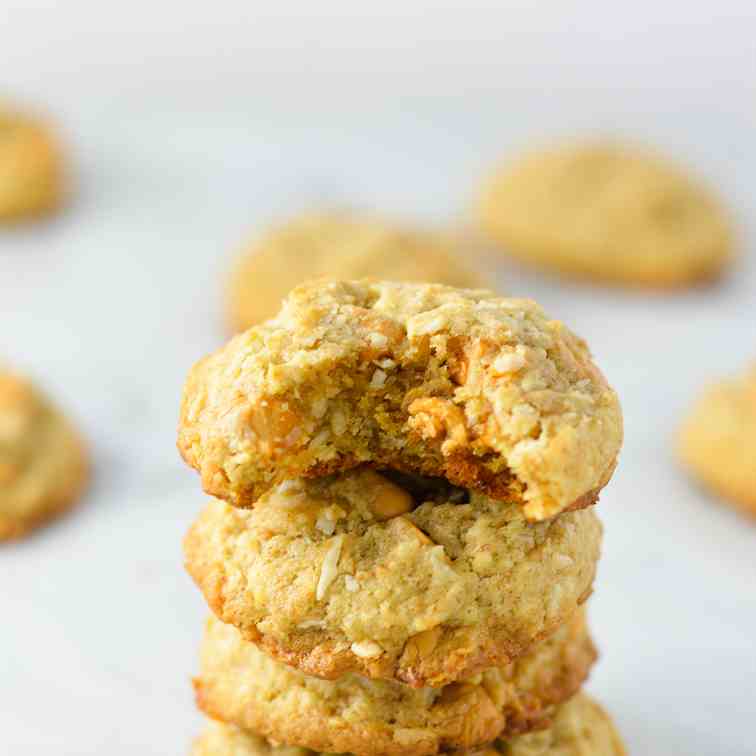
402	538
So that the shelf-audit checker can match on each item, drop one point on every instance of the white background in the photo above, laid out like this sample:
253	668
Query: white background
191	126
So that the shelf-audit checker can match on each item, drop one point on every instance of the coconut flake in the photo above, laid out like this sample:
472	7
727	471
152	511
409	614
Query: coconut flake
329	568
378	379
508	363
324	523
366	649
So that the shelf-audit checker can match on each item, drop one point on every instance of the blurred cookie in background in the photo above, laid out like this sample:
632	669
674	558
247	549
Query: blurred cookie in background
718	440
43	463
31	181
337	245
609	212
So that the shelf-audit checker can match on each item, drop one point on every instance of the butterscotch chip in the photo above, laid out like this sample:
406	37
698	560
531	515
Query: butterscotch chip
717	441
608	212
338	245
241	685
323	582
30	167
485	391
386	499
43	466
580	727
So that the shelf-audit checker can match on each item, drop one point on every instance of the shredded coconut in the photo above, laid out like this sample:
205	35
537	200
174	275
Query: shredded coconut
319	407
377	339
324	523
378	379
327	519
430	325
366	649
329	568
563	560
508	363
338	422
307	624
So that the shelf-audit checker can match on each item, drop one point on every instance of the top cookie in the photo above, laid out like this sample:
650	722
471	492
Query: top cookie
338	245
43	466
718	440
30	167
485	391
609	212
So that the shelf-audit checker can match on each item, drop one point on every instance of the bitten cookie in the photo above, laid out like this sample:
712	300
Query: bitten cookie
485	391
580	727
240	684
336	245
717	441
43	466
30	167
358	573
608	212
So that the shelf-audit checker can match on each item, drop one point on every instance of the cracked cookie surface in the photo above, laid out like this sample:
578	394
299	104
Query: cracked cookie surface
43	466
580	727
485	391
241	685
30	167
340	245
608	212
424	583
717	441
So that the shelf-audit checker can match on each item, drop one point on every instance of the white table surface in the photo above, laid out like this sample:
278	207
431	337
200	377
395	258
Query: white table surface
109	304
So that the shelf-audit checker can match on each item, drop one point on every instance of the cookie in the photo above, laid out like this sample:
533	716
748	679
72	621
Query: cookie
358	573
487	392
30	167
338	245
580	727
43	465
717	441
608	212
240	684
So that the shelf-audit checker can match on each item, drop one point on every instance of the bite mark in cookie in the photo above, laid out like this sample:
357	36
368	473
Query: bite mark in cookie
484	391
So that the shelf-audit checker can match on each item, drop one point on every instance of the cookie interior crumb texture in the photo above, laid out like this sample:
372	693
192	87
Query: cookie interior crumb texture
240	684
423	584
343	245
618	213
43	465
487	392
